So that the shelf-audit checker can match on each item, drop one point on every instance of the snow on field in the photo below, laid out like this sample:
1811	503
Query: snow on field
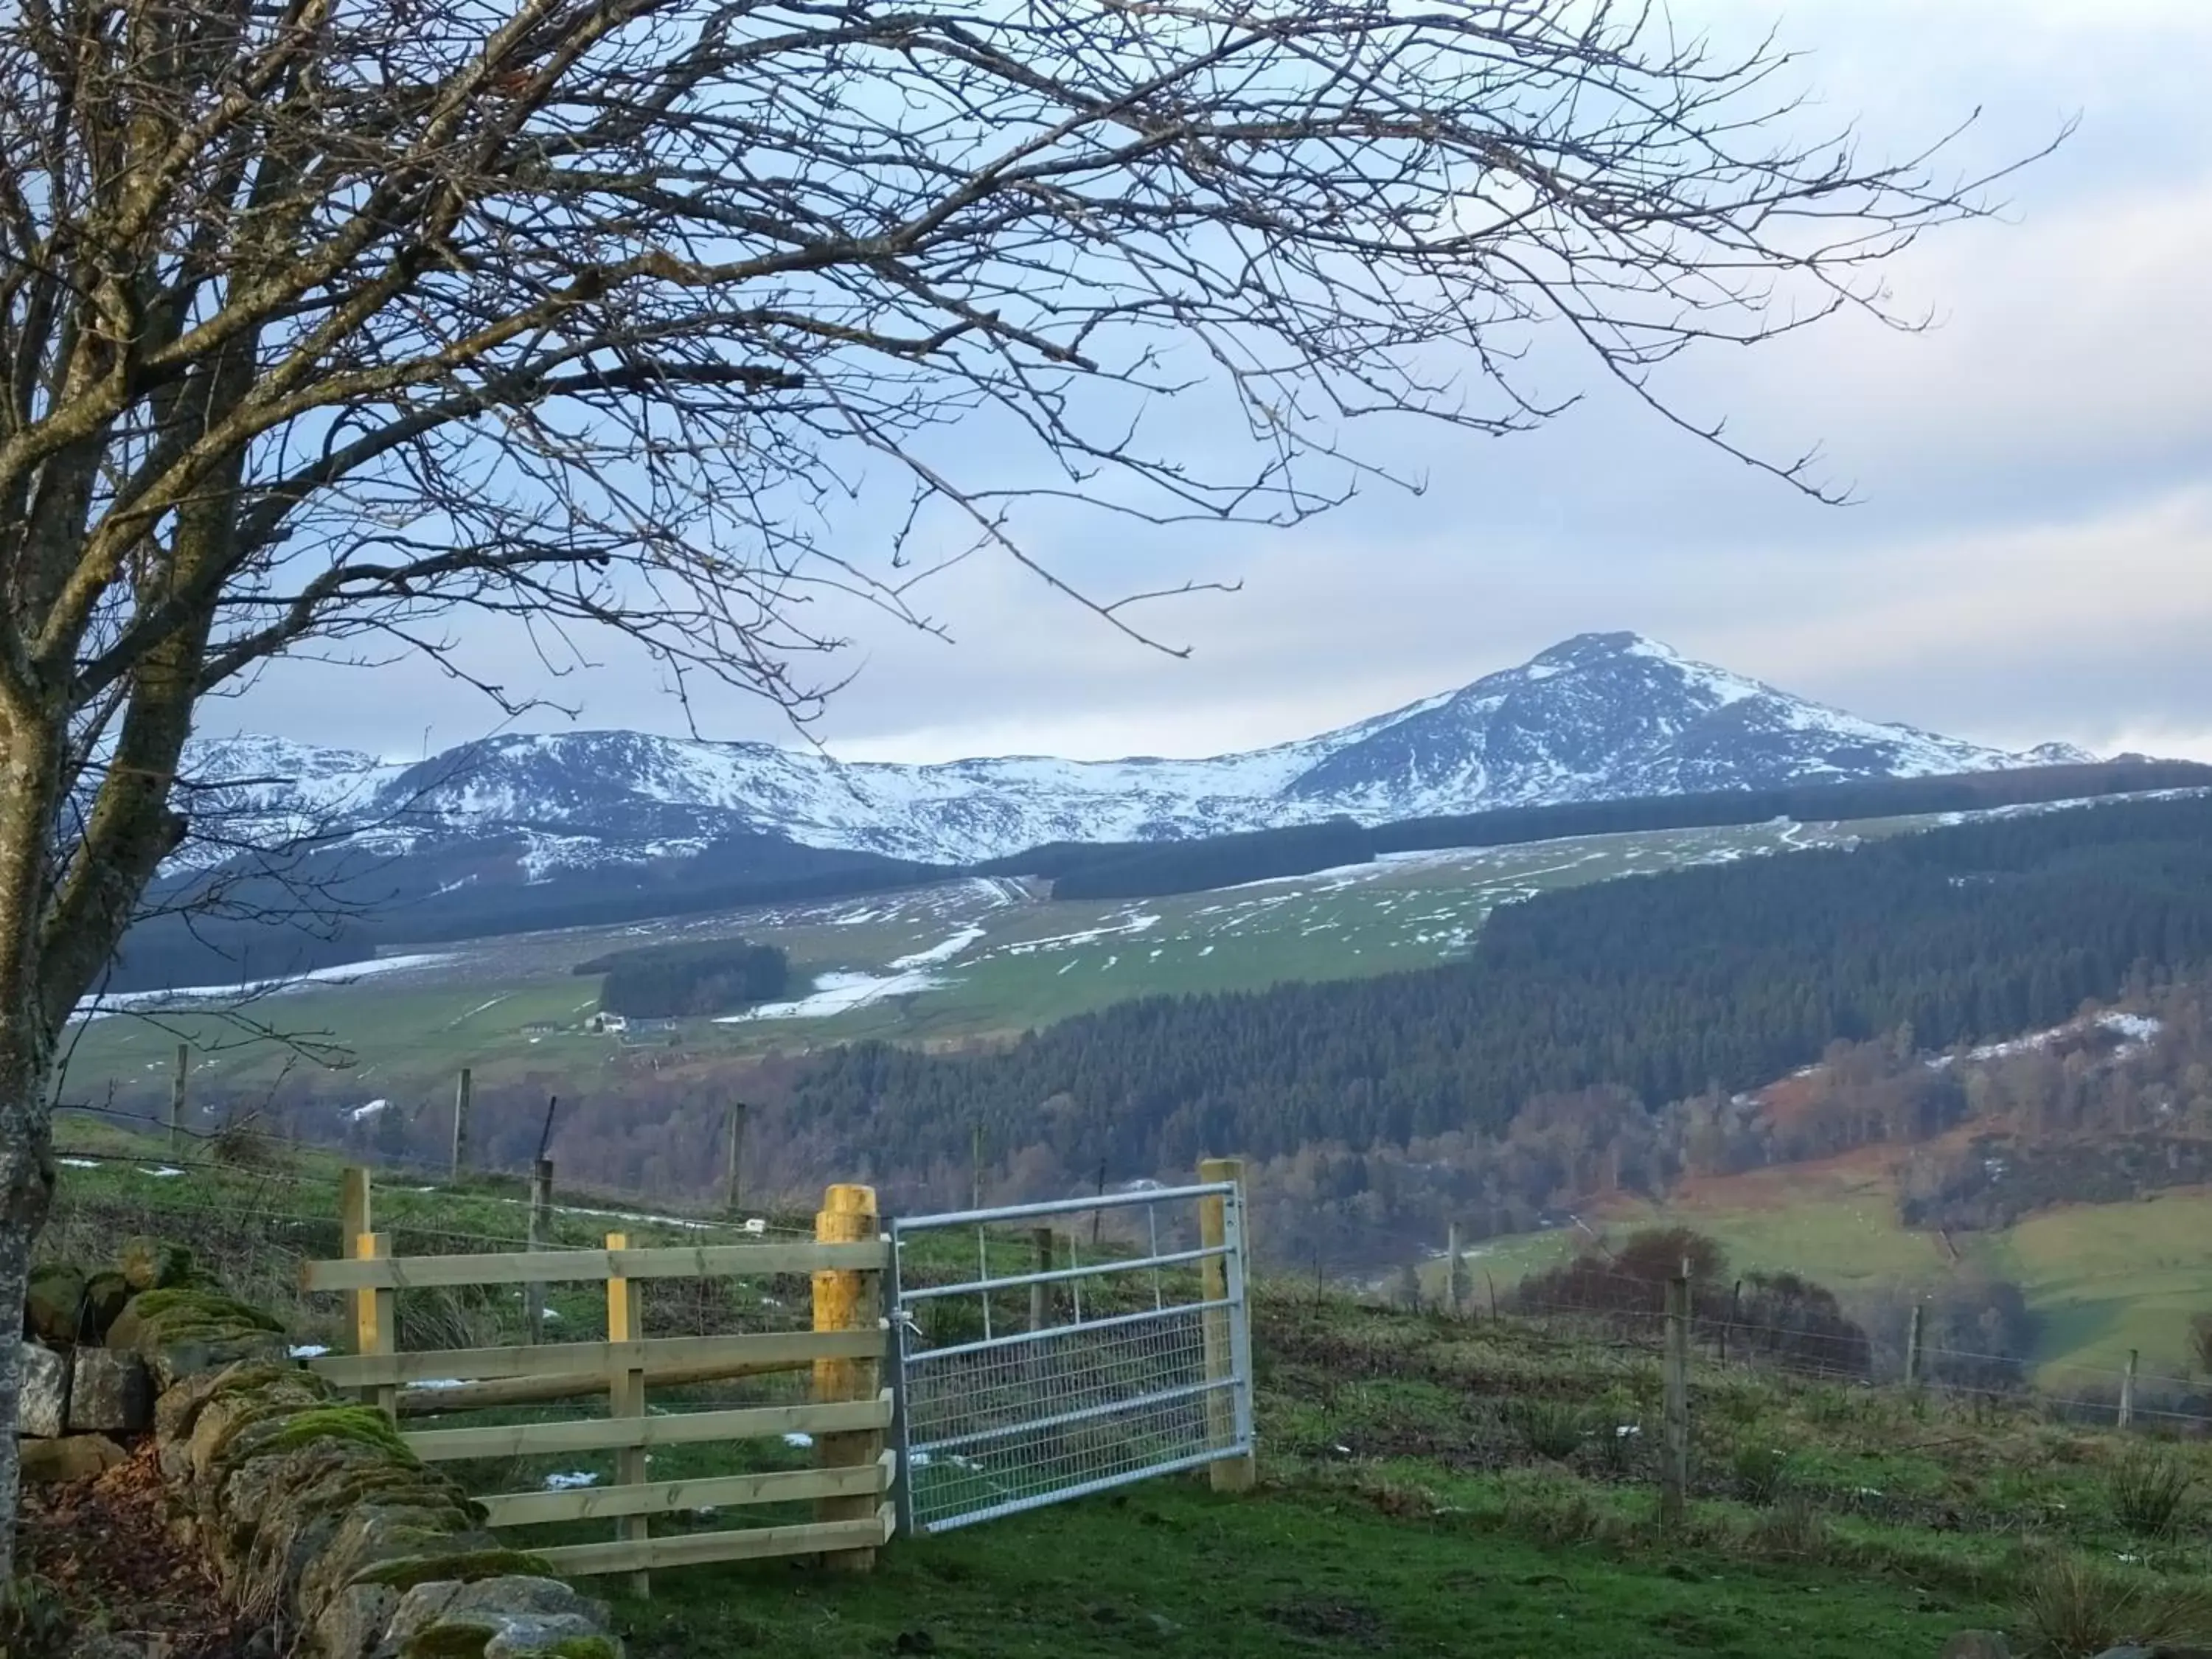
943	951
369	1110
838	993
94	1007
1023	947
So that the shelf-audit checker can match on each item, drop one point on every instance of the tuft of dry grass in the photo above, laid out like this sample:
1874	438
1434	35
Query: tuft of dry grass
2148	1490
1553	1429
2068	1609
1793	1530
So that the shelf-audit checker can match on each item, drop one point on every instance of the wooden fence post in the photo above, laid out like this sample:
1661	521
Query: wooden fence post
375	1315
355	1207
2128	1392
626	1398
1674	1450
845	1300
357	1220
976	1166
1041	1295
541	1225
733	1172
1452	1278
177	1101
1216	1335
464	1093
1912	1347
1736	1303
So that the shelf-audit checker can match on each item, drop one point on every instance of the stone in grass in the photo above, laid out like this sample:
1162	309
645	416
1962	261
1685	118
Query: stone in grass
53	1302
110	1393
154	1264
1977	1644
79	1457
42	1408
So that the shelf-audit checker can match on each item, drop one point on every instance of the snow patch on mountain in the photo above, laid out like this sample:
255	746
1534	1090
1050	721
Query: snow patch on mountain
1597	716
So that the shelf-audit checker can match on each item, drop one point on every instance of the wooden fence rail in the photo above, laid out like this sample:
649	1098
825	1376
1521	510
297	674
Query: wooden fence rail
424	1273
845	1420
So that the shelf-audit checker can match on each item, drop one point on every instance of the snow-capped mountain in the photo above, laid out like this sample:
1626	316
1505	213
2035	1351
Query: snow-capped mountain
1598	716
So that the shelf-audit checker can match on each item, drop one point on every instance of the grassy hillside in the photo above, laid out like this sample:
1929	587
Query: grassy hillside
1428	1485
974	957
2105	1278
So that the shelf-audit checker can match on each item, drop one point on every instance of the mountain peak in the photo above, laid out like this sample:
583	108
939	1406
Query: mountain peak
1584	650
1597	716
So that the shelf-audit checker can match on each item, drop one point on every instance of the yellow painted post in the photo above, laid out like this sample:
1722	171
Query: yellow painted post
1228	1474
375	1315
371	1321
845	1300
626	1398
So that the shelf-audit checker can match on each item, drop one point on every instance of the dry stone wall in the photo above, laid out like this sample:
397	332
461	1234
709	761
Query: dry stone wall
313	1513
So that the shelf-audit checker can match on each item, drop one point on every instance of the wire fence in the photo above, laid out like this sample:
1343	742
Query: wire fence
1626	1312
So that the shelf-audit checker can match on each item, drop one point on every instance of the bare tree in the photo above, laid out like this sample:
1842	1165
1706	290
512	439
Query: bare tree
326	323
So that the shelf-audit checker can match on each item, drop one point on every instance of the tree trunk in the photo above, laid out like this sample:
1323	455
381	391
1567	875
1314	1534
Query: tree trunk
26	1187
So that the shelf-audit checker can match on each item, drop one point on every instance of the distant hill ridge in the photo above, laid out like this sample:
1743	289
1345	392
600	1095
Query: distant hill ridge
1597	717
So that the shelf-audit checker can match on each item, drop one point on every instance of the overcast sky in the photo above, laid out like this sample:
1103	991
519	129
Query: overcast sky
2030	557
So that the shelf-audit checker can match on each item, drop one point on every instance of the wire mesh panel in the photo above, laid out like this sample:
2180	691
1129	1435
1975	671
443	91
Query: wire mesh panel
1020	1388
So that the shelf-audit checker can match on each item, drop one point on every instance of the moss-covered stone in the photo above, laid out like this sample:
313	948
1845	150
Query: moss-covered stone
53	1302
177	1409
221	1430
363	1424
184	1333
466	1641
463	1567
189	1307
586	1647
153	1264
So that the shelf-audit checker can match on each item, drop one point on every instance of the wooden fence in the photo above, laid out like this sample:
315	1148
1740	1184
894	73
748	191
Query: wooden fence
846	1416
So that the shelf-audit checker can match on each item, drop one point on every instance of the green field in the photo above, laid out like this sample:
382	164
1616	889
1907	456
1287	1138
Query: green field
2105	1279
978	958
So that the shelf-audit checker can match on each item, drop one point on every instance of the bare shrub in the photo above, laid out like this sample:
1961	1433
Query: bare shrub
2200	1341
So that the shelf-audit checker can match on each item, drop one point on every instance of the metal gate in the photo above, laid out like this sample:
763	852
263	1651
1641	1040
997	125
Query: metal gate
1024	1379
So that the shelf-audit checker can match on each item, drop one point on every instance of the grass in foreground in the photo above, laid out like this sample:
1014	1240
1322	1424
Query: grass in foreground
1165	1568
